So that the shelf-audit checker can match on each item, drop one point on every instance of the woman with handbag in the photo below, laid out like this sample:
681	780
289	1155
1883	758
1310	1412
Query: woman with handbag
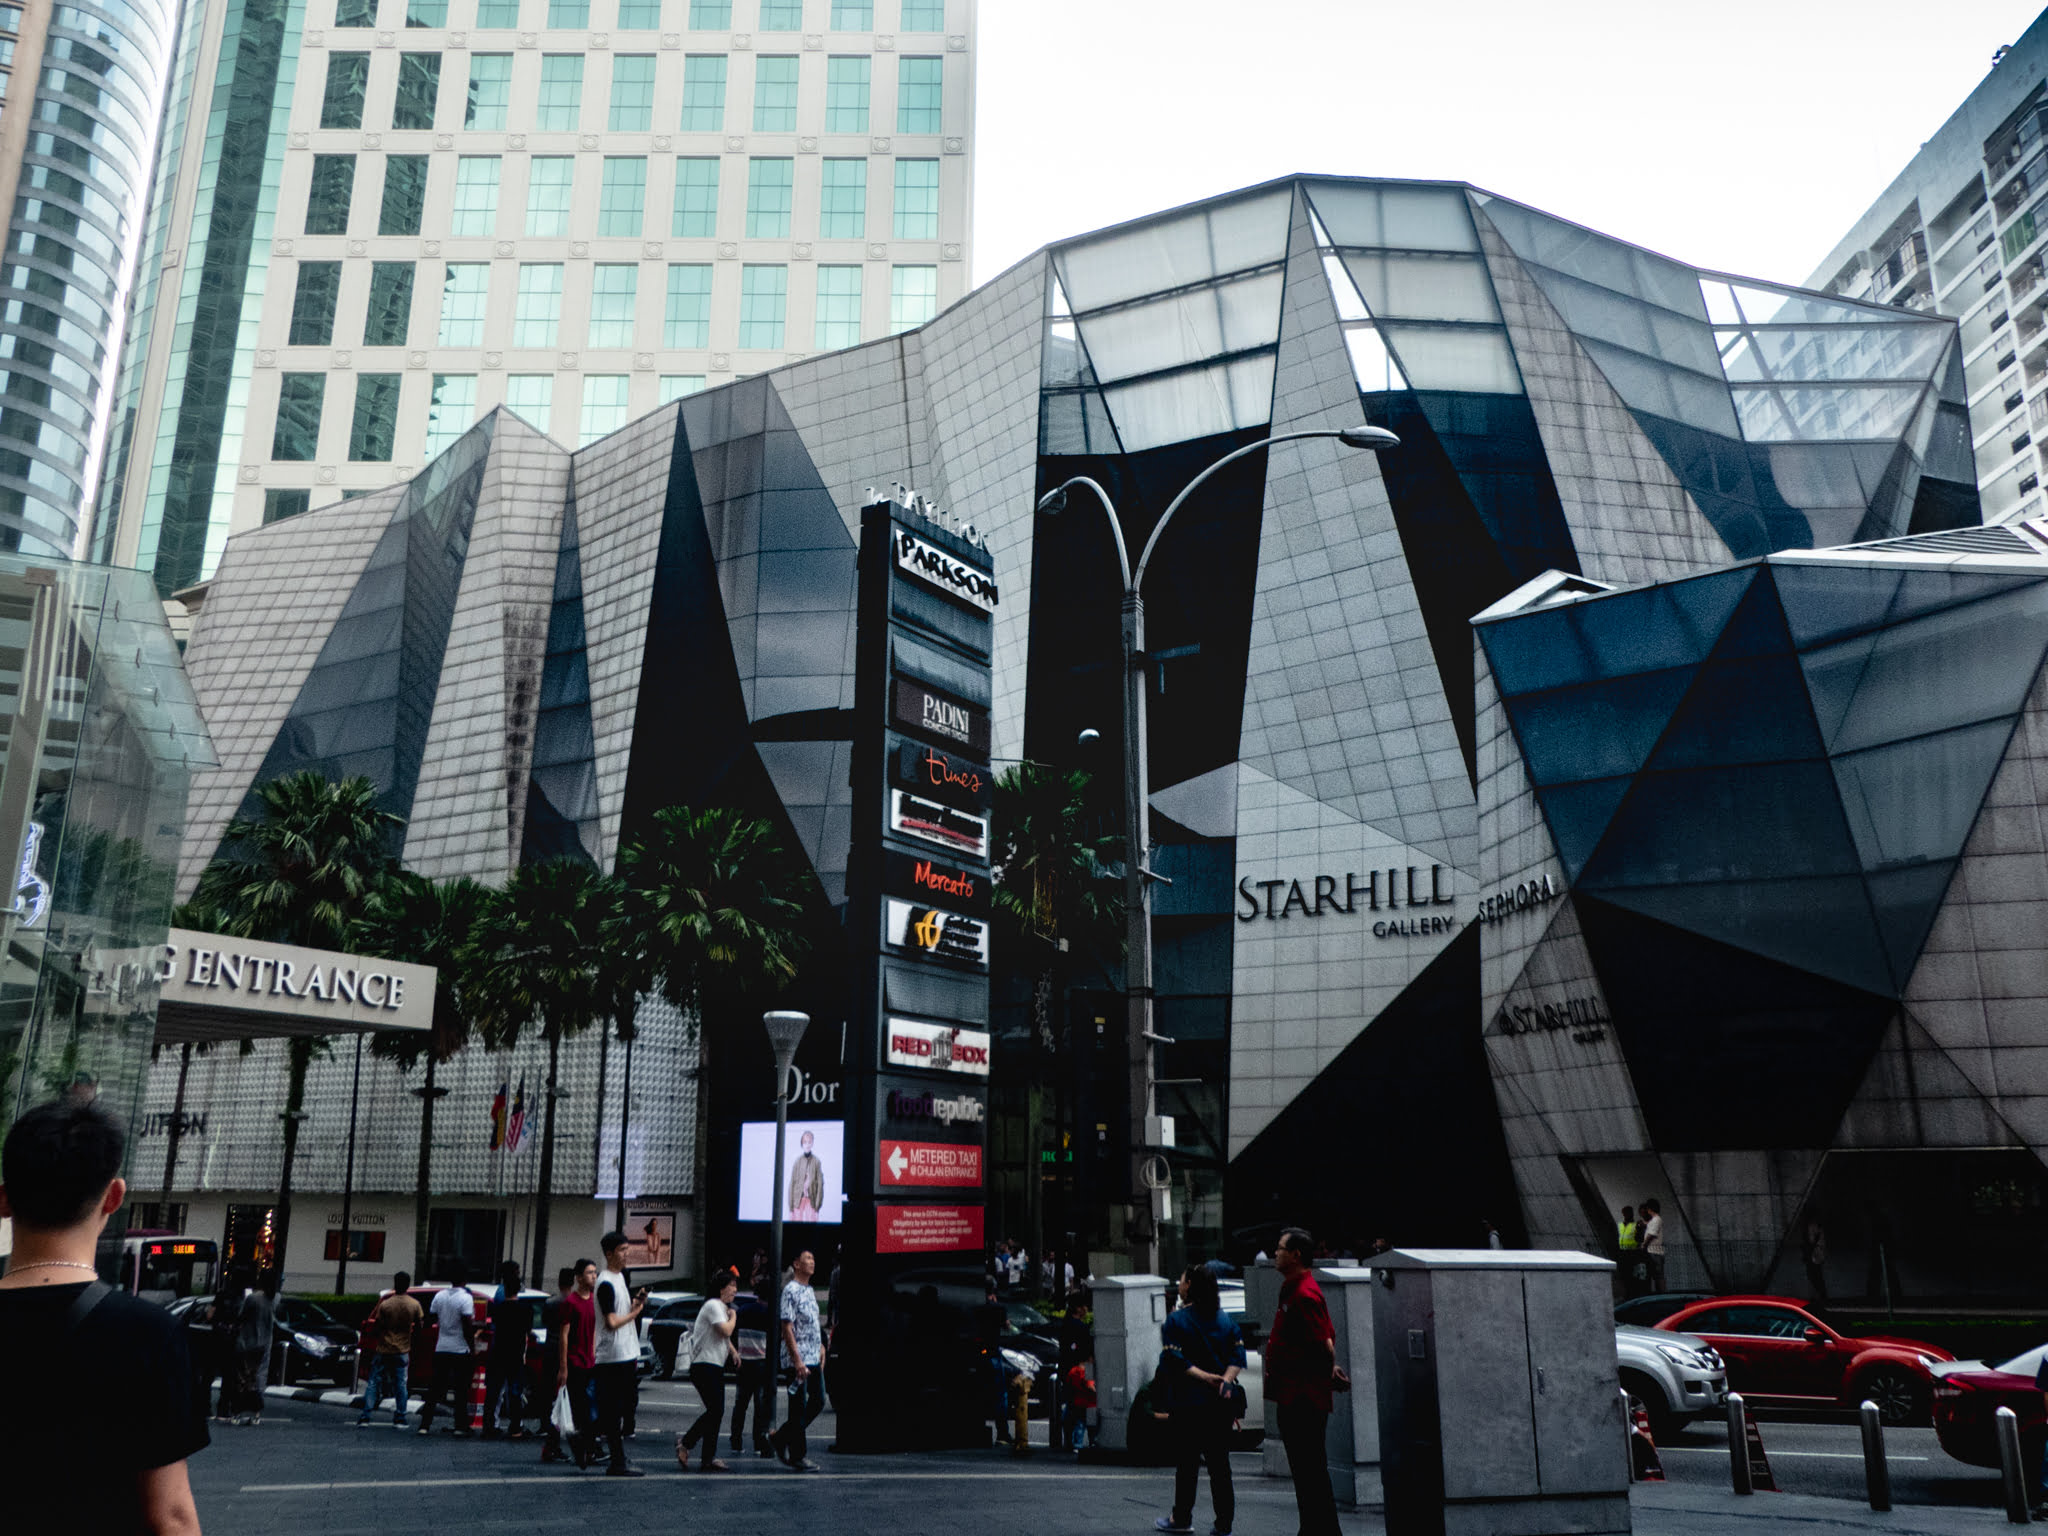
1206	1401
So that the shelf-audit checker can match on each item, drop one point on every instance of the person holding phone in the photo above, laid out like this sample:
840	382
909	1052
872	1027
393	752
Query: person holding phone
618	1351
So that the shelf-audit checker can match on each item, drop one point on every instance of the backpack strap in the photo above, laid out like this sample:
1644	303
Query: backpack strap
82	1306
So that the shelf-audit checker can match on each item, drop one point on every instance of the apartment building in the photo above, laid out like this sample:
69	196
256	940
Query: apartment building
400	214
1963	232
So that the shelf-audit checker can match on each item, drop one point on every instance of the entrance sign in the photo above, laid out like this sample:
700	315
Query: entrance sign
213	987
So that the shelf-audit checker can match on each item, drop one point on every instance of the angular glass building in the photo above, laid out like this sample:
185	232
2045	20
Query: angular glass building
573	639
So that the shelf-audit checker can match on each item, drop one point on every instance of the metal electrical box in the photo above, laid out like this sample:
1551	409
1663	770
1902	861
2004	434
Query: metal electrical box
1352	1441
1128	1312
1498	1408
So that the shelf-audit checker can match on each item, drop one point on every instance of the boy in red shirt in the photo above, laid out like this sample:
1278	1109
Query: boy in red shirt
576	1365
1301	1373
1080	1399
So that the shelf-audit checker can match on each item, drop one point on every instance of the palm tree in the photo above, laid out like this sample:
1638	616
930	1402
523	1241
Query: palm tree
299	872
425	922
539	957
718	902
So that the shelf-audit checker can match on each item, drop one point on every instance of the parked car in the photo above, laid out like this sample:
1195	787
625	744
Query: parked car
420	1372
1675	1376
1968	1395
310	1343
669	1317
1779	1355
1649	1311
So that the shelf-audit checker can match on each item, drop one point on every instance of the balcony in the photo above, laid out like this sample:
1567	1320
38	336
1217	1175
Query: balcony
2002	156
2030	179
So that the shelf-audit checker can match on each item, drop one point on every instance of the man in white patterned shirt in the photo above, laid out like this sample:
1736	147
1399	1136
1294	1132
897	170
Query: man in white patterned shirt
803	1351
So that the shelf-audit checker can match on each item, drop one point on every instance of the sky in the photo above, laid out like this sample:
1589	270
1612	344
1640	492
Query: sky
1736	135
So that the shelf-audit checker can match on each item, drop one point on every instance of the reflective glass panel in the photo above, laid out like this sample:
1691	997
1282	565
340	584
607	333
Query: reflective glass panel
632	103
1399	285
569	15
775	93
614	287
405	195
920	95
1837	353
853	15
1175	251
1454	358
279	504
313	304
782	15
550	187
464	292
838	320
538	312
703	92
475	211
913	297
561	92
764	297
696	205
297	435
639	15
771	184
531	397
1407	218
846	94
348	75
622	199
450	411
374	428
1916	800
497	13
924	15
419	90
843	200
710	15
389	312
1195	402
917	200
686	321
333	187
676	385
1191	326
490	90
1825	413
604	404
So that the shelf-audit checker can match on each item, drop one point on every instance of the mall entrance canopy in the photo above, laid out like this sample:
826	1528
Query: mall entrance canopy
212	987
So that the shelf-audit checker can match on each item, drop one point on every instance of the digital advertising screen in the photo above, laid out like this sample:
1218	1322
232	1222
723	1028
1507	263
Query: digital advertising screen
810	1184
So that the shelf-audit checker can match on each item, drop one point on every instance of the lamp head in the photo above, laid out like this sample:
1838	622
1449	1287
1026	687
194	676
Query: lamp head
1054	501
1368	437
785	1031
1089	737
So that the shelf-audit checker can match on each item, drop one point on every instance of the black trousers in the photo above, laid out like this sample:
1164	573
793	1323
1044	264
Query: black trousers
1302	1426
1201	1436
450	1380
806	1402
504	1380
617	1387
753	1388
709	1380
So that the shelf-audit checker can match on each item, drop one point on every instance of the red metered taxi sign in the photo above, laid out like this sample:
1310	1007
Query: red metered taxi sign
931	1163
927	1228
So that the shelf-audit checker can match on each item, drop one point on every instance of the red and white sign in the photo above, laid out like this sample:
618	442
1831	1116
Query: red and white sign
930	1163
937	1047
927	1228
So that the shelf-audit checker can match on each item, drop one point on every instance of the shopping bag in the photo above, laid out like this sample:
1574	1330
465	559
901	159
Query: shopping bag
563	1415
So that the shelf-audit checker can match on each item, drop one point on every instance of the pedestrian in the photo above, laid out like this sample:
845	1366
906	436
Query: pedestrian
393	1323
505	1361
752	1387
1206	1402
576	1364
255	1331
618	1351
97	1417
552	1319
1080	1401
711	1347
1653	1247
1816	1255
1628	1236
225	1312
803	1352
1300	1375
1493	1237
454	1311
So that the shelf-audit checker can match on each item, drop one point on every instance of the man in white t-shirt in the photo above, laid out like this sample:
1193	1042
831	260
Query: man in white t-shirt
454	1315
618	1351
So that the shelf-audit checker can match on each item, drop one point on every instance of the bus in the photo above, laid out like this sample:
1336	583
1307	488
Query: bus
163	1266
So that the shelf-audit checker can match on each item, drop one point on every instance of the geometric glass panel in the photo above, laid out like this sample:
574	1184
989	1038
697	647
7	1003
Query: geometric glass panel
1905	901
1825	412
1741	710
1577	815
1194	402
1447	357
1233	316
1177	250
1759	821
1402	285
1914	801
1595	730
1394	217
1823	926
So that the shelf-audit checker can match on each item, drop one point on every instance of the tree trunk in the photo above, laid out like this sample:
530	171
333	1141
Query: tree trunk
294	1102
547	1163
423	1187
700	1177
176	1129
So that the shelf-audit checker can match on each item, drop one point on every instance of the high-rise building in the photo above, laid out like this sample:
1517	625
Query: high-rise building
400	214
1960	233
81	101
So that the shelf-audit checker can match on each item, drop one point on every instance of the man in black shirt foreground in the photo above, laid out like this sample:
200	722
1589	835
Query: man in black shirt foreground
96	1410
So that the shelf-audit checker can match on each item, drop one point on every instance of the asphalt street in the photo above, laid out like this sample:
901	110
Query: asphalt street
306	1468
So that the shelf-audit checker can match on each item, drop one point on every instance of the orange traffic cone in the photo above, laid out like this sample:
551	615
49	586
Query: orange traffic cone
476	1395
1642	1447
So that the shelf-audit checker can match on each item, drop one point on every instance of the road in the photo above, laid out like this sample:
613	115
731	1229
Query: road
1823	1455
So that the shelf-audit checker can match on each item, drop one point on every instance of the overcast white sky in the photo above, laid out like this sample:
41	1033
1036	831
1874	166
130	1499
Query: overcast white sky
1738	134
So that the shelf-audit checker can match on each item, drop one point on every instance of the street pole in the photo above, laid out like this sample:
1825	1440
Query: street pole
785	1031
625	1114
1149	1208
348	1177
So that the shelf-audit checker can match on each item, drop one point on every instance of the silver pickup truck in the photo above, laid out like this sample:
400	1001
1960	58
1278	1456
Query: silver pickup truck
1677	1376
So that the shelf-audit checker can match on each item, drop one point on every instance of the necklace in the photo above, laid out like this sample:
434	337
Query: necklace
15	1269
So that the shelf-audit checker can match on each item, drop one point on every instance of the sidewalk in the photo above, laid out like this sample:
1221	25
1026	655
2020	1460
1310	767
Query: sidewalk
1665	1509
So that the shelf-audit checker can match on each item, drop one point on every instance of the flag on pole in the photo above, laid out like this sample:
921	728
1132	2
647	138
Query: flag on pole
515	1128
498	1118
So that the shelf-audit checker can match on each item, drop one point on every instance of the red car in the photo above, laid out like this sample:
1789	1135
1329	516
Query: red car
1780	1355
421	1370
1966	1396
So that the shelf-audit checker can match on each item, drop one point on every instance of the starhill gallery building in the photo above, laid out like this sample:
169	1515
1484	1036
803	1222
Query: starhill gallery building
1702	866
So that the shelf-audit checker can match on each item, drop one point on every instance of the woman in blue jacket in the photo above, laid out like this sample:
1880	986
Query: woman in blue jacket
1201	1340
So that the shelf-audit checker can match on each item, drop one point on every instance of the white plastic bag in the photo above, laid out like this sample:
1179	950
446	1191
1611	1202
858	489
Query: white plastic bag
563	1415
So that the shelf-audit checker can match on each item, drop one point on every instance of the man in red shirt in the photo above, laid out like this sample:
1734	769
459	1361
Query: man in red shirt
1301	1373
576	1366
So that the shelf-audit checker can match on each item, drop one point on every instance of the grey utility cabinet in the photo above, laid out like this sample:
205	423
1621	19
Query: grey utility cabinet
1498	1405
1128	1312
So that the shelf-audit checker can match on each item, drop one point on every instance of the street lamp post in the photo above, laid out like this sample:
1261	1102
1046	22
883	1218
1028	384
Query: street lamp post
348	1177
1149	1208
785	1032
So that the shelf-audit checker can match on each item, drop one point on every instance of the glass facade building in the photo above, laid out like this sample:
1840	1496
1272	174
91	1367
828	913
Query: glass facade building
1723	541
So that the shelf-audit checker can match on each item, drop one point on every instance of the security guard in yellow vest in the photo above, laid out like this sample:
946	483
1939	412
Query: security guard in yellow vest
1630	1236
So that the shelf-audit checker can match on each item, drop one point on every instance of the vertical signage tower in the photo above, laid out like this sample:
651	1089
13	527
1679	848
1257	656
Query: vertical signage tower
918	1038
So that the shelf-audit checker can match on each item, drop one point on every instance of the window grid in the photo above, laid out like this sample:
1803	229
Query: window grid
838	307
853	15
782	15
622	198
686	322
843	200
490	91
632	103
476	196
297	434
532	396
771	189
913	297
389	316
419	90
319	285
639	15
538	316
450	411
465	292
426	13
676	385
614	288
355	13
846	94
374	429
568	15
917	200
696	209
764	299
497	13
561	92
703	93
348	74
923	16
333	189
710	15
604	404
775	93
550	188
282	502
920	94
405	195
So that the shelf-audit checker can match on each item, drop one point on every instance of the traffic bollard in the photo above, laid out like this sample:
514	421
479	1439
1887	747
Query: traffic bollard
1738	1445
2010	1470
1877	1472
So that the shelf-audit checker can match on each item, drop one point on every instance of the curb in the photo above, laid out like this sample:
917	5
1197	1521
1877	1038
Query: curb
339	1397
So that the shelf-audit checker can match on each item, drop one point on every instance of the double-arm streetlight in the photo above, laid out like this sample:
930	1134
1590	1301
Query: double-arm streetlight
785	1034
1138	876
